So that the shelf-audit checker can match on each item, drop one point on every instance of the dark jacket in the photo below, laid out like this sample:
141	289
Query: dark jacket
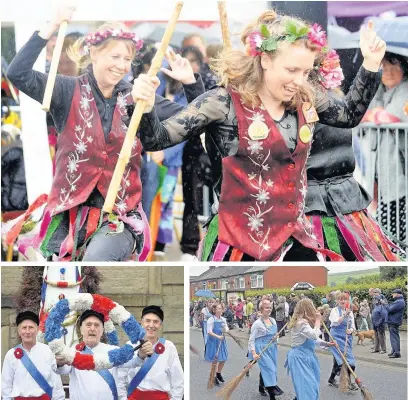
396	311
379	316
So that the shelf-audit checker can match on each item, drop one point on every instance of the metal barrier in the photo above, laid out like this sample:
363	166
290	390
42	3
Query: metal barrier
382	163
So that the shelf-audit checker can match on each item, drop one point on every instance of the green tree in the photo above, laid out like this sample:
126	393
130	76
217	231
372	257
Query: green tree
391	273
333	284
350	279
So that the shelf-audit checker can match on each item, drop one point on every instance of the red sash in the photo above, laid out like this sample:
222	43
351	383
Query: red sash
148	395
43	397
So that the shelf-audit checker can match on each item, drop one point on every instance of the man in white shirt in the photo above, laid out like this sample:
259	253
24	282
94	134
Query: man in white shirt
161	377
96	385
29	368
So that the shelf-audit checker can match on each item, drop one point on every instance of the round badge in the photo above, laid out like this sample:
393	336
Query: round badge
305	134
258	130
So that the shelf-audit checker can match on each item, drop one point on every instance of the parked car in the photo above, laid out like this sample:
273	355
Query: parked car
302	286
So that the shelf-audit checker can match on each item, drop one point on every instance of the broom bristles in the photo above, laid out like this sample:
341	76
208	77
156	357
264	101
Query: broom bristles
229	387
194	350
211	378
365	393
237	340
344	379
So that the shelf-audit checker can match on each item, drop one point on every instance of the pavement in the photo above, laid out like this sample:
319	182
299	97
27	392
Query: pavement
362	353
386	380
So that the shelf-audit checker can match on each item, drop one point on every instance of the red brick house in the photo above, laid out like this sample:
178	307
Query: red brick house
237	279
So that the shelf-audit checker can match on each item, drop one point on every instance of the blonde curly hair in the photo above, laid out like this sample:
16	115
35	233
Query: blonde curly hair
244	72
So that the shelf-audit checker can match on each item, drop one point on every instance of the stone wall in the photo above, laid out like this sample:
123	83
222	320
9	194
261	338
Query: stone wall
133	287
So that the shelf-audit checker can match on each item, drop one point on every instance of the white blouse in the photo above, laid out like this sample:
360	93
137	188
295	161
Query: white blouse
210	324
303	331
258	329
335	316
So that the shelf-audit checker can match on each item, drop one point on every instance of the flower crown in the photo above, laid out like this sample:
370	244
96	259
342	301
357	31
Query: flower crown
96	38
261	40
329	71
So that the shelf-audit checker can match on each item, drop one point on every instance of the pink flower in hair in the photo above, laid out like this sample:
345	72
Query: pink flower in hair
330	71
255	42
317	35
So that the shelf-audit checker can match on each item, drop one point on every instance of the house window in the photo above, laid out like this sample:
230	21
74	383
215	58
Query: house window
224	283
256	281
204	285
241	282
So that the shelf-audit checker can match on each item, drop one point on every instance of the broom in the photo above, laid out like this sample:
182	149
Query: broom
344	375
214	365
194	350
366	394
230	386
237	340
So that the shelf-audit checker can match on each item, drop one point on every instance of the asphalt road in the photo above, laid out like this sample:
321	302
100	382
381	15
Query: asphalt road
384	382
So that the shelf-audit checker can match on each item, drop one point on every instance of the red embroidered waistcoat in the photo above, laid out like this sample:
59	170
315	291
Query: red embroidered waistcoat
84	160
263	189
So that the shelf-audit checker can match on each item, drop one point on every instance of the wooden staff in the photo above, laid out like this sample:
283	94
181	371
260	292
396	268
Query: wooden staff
138	113
49	88
224	24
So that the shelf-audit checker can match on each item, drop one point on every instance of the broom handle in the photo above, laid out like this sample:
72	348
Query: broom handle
249	366
218	350
224	24
126	150
339	351
52	75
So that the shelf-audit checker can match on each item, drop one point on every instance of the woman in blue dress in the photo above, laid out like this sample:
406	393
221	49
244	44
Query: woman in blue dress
262	332
342	328
216	347
205	315
302	363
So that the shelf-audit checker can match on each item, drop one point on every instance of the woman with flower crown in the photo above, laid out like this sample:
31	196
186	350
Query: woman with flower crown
259	125
335	202
89	112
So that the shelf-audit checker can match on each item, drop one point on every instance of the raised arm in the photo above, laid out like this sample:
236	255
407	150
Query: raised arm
349	111
211	107
32	83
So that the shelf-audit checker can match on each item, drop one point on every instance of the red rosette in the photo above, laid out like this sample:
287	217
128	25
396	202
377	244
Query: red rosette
102	304
84	361
80	346
18	353
159	349
112	226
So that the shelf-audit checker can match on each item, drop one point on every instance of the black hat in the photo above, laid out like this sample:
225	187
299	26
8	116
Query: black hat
154	310
398	291
24	315
91	313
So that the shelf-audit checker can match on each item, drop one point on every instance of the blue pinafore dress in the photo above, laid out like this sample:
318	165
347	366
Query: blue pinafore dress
212	343
269	359
339	335
304	368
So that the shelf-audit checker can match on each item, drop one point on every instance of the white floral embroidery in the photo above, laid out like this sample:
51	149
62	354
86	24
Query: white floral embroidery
262	196
75	158
251	176
255	146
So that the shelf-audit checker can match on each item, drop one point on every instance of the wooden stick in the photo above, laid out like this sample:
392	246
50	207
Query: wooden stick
49	88
138	113
224	24
339	351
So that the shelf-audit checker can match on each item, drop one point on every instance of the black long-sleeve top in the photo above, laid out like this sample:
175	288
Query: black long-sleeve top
32	83
215	112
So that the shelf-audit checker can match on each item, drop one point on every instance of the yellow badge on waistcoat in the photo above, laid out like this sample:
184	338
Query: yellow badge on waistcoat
305	134
309	113
258	130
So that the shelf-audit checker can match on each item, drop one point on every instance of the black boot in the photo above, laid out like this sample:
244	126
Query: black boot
262	390
216	382
277	391
219	377
271	392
